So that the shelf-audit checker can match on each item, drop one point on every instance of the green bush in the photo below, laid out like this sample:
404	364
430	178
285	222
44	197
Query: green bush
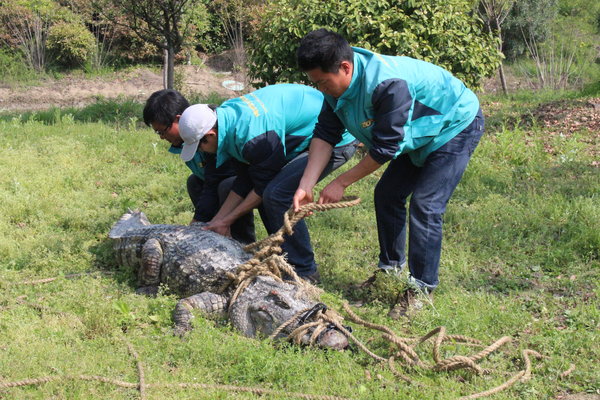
446	33
70	43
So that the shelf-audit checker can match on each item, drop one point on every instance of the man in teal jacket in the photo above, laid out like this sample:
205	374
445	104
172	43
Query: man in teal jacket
411	114
267	132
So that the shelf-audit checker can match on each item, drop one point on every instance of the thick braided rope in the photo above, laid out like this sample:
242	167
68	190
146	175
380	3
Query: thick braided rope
395	371
320	322
521	375
67	276
142	385
332	317
131	385
411	358
140	368
46	379
289	322
407	352
267	259
291	218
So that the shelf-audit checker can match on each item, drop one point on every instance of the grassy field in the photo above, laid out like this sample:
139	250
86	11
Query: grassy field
521	258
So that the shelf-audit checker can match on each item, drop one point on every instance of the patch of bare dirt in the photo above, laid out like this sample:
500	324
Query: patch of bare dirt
136	85
566	117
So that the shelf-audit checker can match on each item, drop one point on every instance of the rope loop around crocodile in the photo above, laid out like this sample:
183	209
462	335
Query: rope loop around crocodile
267	259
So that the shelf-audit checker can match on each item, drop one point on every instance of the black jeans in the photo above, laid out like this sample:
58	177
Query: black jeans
431	187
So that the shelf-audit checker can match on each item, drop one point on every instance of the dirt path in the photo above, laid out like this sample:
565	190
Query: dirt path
79	91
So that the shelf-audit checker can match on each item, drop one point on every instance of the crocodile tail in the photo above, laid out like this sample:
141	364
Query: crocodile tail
132	219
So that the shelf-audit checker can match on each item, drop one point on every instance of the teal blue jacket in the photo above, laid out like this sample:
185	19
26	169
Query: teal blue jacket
266	129
398	105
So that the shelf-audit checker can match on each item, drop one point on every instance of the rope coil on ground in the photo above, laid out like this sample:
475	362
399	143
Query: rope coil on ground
262	263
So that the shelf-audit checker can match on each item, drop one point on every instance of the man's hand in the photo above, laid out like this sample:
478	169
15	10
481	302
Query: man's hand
332	193
302	197
219	226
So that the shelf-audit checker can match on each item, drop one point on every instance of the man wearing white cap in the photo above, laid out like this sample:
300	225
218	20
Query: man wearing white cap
207	184
267	133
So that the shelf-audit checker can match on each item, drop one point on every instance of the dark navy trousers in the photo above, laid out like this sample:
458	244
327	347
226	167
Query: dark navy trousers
429	188
277	200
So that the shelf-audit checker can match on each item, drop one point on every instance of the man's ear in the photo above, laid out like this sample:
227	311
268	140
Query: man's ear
177	118
346	67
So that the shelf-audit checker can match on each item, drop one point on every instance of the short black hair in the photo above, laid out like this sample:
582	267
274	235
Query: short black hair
323	49
164	106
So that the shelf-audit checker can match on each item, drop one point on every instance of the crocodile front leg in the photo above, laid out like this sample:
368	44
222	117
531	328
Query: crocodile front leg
150	263
210	303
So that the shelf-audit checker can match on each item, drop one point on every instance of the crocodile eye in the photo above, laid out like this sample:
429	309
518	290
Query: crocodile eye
274	297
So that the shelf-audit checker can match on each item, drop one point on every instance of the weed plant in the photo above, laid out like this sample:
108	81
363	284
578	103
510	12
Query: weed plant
520	258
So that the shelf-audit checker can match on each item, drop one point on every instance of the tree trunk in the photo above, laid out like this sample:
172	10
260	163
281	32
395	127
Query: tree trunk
501	69
165	68
502	79
170	68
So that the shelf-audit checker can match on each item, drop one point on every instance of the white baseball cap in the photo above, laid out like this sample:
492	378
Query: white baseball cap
194	123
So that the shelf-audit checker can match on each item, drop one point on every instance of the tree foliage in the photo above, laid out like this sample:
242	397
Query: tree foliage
531	19
493	13
446	33
24	26
166	24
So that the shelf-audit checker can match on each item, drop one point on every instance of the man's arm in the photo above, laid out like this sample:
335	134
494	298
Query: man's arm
233	208
327	133
319	154
334	191
208	200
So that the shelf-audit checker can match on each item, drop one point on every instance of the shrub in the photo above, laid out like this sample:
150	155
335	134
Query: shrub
446	33
71	43
13	67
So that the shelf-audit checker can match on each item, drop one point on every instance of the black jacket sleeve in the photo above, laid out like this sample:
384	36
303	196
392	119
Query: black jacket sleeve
266	157
242	184
391	101
329	127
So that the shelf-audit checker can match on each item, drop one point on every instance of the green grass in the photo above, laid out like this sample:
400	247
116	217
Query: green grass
520	258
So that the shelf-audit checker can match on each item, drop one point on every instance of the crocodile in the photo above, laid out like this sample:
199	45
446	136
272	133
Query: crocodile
193	263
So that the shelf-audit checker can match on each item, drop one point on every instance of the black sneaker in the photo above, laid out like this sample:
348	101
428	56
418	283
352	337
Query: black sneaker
314	278
370	280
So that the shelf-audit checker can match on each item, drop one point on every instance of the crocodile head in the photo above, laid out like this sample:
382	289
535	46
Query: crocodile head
266	304
132	219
